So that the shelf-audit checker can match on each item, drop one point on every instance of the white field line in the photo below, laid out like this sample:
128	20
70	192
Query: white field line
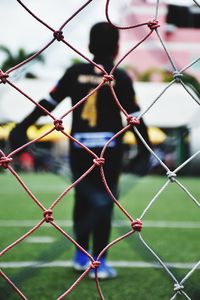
117	223
39	239
119	264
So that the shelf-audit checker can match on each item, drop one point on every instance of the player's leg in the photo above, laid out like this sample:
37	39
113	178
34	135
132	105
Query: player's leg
82	219
102	209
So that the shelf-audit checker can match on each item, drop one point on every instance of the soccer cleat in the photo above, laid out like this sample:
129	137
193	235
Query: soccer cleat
104	271
80	261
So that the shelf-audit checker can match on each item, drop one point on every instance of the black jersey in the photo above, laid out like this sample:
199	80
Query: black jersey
99	113
97	119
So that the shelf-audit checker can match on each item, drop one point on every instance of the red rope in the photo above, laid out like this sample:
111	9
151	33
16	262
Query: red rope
6	160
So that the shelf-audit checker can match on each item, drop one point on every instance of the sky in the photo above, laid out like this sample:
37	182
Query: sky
22	30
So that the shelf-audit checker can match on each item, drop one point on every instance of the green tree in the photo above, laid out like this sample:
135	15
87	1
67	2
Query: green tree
13	59
188	79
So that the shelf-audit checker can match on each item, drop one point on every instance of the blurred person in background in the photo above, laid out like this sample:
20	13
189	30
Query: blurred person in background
94	123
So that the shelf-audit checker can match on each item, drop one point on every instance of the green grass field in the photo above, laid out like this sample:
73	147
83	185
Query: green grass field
171	228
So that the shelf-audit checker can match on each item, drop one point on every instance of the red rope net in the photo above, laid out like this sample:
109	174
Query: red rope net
98	162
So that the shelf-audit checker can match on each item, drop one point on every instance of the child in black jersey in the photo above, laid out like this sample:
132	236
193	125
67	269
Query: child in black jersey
93	124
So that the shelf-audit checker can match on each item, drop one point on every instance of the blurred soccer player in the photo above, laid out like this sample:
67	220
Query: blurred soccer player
94	123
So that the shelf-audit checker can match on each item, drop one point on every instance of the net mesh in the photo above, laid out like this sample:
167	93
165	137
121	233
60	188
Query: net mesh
47	213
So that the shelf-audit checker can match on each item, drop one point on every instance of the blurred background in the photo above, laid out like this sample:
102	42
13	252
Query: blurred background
174	125
40	265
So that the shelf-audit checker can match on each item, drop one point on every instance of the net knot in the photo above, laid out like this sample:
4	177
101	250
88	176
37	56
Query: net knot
48	215
178	288
137	225
132	120
153	24
99	161
177	75
108	78
95	264
59	125
171	176
58	35
4	161
3	77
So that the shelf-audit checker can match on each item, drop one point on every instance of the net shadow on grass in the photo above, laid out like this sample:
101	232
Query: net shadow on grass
57	248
